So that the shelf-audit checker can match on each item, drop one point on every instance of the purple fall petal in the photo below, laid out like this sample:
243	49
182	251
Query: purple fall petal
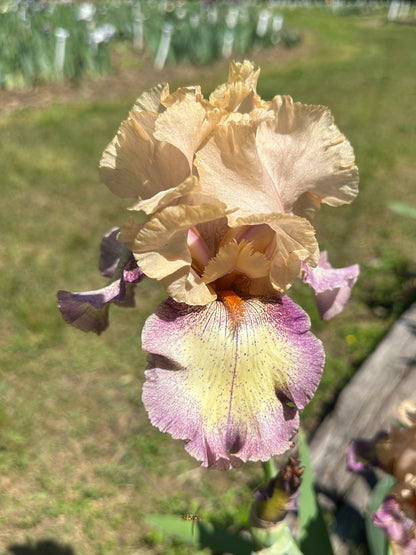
88	310
332	286
232	392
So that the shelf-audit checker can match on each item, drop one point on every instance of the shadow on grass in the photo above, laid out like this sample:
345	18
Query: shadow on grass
42	547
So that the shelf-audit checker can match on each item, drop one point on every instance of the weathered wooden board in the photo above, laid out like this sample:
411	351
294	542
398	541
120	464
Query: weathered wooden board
367	404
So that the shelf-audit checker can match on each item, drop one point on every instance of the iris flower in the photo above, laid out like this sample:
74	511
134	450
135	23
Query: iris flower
229	186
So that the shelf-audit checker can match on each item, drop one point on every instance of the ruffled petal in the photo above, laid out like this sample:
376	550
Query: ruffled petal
136	164
186	123
291	241
186	286
239	93
152	100
303	151
166	197
229	168
332	286
237	257
288	163
230	390
160	247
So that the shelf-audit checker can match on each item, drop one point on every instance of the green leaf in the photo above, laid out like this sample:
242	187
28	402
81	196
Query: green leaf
376	538
220	540
313	532
279	539
174	524
403	209
205	534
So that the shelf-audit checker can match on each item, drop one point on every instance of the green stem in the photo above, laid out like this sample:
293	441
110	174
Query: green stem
270	470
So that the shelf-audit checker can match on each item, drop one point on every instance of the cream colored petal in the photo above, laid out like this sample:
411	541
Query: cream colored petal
253	118
307	205
213	232
181	93
128	232
294	242
237	257
151	100
186	286
304	152
240	91
185	124
170	196
259	235
161	249
230	97
135	164
256	287
246	71
229	168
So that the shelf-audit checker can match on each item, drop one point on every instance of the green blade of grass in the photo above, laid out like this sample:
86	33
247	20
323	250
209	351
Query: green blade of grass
313	533
216	538
376	538
403	209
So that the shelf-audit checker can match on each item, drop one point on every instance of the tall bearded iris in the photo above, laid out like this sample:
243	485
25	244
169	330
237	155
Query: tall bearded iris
230	185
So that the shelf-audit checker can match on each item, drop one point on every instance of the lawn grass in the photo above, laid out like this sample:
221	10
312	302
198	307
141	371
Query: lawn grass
80	463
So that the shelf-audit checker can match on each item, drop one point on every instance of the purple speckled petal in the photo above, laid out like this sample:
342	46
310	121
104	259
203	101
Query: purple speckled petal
231	391
132	273
399	529
332	286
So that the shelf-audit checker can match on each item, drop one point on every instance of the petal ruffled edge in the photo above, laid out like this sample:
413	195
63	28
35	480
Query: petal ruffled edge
160	245
231	392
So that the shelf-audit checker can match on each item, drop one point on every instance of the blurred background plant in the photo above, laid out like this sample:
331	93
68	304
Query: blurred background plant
43	40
